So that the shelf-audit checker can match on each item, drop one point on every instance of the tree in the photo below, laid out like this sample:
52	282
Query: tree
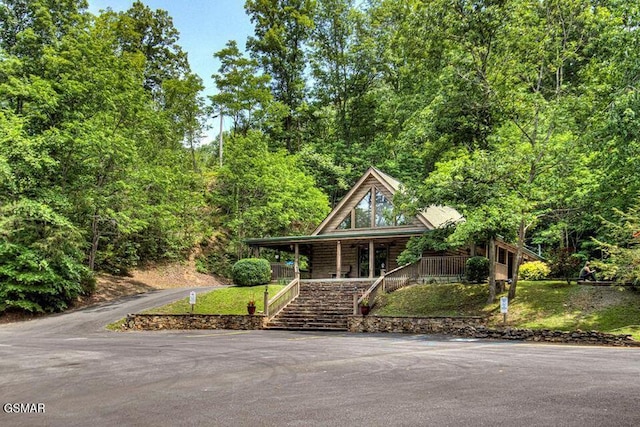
622	247
263	193
281	29
333	62
185	107
532	81
41	259
242	93
152	33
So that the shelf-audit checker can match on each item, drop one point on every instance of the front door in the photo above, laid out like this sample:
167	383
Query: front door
363	260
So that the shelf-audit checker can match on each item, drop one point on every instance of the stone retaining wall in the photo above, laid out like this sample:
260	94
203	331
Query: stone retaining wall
546	335
475	327
414	325
468	327
192	321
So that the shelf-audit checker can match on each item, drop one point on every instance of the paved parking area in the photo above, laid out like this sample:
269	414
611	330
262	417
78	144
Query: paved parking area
84	375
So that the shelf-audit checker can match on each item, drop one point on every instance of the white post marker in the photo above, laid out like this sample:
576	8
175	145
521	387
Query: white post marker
504	308
192	299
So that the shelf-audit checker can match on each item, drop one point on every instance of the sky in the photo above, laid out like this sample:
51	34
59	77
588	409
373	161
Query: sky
205	26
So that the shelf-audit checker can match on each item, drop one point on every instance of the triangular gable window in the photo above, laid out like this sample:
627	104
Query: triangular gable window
346	223
373	210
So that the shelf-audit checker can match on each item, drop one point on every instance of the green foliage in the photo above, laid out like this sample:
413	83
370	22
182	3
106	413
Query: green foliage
435	240
534	270
564	264
251	272
41	267
93	173
622	247
242	93
263	193
477	269
281	29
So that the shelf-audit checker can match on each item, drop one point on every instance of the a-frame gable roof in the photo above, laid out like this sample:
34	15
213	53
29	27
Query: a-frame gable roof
432	217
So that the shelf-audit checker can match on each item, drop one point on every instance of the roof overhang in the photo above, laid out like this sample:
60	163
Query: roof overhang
332	237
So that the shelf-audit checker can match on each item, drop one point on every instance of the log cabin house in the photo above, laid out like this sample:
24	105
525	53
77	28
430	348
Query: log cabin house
363	236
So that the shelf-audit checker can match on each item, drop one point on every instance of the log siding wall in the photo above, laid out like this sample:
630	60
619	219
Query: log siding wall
324	256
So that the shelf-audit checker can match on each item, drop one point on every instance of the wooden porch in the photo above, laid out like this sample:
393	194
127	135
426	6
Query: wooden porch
429	268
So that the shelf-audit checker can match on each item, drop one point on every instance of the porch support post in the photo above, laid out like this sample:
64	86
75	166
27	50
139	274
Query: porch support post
372	259
338	259
296	261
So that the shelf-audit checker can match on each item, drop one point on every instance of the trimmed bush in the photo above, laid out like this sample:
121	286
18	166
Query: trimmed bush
534	270
477	269
251	272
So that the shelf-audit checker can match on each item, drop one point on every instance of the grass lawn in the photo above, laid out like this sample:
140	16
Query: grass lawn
232	300
538	305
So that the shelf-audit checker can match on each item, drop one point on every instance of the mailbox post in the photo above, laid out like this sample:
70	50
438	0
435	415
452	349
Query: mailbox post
192	300
504	309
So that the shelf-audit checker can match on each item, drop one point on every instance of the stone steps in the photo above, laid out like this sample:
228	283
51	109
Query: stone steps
320	306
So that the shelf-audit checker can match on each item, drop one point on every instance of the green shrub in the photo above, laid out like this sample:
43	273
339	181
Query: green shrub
477	269
251	272
38	282
534	270
564	263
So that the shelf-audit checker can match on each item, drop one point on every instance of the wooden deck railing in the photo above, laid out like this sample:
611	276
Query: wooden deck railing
281	271
436	266
447	266
281	299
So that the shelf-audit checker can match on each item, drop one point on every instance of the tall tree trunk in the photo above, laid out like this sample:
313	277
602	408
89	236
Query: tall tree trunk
492	270
522	230
95	239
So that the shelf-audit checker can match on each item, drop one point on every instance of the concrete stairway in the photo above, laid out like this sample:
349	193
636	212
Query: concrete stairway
321	305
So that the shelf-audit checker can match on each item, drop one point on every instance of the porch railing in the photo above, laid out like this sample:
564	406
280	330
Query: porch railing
281	271
435	266
449	266
273	306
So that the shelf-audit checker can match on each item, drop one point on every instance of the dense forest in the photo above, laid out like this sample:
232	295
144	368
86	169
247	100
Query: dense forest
519	113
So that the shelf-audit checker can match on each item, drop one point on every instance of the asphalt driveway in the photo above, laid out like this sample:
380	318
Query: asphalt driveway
84	375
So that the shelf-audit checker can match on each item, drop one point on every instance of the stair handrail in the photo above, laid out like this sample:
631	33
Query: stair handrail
370	294
400	277
381	284
287	294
